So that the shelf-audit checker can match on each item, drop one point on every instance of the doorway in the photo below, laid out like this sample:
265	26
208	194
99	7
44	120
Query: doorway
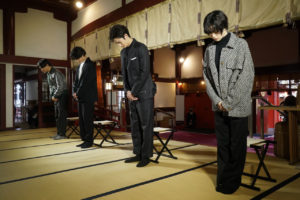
25	97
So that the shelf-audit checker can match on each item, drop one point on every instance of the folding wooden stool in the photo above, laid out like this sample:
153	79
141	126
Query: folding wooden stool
104	128
72	123
261	147
157	131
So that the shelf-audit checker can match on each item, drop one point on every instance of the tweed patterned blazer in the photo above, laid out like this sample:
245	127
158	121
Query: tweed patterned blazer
233	84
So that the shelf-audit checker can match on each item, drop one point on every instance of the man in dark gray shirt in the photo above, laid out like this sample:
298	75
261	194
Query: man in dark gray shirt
59	95
140	90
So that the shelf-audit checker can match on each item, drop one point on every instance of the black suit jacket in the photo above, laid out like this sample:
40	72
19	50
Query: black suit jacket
136	71
86	86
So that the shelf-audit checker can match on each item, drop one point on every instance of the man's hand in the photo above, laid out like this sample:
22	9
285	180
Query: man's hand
54	99
220	106
131	97
75	96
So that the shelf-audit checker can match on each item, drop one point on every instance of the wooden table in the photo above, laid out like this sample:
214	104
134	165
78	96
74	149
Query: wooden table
293	137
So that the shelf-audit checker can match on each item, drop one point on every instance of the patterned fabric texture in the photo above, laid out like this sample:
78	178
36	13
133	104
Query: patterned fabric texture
233	84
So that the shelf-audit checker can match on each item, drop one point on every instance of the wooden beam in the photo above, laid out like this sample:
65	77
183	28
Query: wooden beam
31	60
128	9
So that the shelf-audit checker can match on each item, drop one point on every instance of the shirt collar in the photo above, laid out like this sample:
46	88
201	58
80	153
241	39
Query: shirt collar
132	43
52	70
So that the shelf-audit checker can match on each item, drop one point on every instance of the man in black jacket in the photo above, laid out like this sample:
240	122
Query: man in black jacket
140	90
85	92
59	95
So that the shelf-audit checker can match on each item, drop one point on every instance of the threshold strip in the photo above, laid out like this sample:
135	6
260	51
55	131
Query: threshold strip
58	154
276	187
40	145
67	170
24	139
147	182
5	135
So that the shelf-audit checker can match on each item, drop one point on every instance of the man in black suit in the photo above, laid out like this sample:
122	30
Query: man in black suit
85	92
140	90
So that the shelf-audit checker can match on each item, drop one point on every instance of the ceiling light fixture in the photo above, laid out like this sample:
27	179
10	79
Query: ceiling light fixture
181	59
79	4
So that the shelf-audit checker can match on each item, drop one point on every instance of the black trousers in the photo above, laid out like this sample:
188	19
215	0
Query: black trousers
231	135
61	113
141	117
86	114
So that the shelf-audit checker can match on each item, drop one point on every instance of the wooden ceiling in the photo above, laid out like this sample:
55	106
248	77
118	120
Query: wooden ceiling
62	9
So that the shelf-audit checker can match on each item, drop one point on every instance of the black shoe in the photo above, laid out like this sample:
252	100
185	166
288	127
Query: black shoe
143	163
132	159
79	145
224	190
86	145
59	137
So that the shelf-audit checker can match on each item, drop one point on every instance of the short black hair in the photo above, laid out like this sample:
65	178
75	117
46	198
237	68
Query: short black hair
118	31
215	22
43	63
77	52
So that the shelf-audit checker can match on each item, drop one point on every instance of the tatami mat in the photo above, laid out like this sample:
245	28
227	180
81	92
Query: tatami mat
42	168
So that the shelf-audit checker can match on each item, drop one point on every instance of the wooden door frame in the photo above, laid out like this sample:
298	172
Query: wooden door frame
2	97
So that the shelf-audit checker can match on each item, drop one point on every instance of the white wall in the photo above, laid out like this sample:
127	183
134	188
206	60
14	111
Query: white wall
93	12
165	96
1	31
9	95
192	65
38	34
164	63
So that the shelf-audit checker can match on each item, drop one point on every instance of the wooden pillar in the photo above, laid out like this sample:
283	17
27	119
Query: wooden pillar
2	97
293	137
177	67
8	32
262	134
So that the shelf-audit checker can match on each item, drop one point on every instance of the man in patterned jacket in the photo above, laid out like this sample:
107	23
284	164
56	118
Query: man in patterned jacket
59	95
228	72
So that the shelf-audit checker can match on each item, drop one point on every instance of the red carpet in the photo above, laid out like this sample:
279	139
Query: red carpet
207	139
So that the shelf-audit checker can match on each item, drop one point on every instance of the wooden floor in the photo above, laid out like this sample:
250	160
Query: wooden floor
33	166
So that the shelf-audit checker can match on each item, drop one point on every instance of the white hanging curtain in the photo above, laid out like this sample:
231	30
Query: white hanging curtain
103	43
158	23
137	26
262	13
91	46
184	15
114	48
227	6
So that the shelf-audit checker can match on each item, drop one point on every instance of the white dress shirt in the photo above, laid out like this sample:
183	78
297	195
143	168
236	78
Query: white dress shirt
80	69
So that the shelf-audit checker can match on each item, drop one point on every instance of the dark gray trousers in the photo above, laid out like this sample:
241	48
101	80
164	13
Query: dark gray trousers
141	118
86	115
61	113
231	135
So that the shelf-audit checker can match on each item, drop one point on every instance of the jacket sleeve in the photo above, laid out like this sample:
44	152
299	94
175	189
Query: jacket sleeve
124	74
244	84
59	79
210	90
75	84
144	69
